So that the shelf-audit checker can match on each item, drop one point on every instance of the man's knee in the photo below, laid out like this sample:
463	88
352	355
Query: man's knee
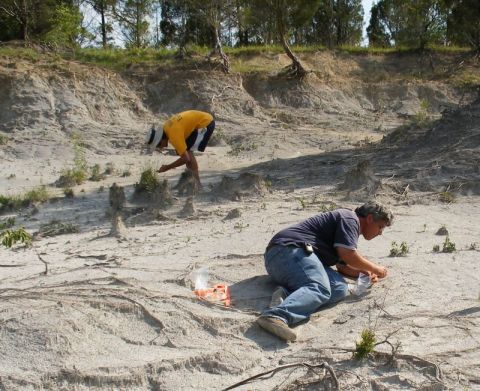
321	292
339	291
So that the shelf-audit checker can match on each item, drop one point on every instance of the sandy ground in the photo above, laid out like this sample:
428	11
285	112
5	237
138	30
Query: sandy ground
119	313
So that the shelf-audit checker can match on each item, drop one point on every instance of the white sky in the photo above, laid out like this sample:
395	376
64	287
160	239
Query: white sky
367	5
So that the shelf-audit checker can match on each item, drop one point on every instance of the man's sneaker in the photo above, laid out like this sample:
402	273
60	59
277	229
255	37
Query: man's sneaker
277	327
278	296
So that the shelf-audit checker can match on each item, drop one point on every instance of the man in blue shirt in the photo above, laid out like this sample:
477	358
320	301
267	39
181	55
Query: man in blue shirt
299	259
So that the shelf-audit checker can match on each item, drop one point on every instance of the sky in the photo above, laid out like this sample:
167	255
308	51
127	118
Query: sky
367	5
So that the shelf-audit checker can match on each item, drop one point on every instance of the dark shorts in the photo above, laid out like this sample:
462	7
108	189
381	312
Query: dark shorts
199	138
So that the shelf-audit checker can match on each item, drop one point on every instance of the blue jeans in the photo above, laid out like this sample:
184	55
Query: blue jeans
308	284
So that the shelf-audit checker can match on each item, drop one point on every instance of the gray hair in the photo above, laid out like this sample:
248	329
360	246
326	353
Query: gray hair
378	211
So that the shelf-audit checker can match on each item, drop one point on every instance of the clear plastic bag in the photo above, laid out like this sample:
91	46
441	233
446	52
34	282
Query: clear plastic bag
200	278
362	284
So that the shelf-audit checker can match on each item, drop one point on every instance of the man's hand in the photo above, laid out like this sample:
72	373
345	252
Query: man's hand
380	271
163	168
373	277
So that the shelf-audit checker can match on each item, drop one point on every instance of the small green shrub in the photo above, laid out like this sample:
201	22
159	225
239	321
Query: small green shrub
148	181
366	345
421	117
10	237
96	176
78	173
3	139
446	197
448	246
436	248
473	246
399	250
39	194
126	173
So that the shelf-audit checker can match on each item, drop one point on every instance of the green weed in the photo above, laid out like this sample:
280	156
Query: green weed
399	250
448	246
366	345
9	237
446	197
148	181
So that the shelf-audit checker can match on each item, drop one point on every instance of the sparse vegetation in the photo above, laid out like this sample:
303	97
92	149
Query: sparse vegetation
446	197
78	173
10	237
421	117
399	250
473	246
96	176
366	344
36	195
238	149
447	247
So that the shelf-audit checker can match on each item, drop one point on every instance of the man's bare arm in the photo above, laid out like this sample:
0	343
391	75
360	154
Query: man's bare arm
355	260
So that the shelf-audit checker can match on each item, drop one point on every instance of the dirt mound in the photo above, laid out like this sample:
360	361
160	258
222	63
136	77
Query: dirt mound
157	197
437	156
43	106
245	185
187	185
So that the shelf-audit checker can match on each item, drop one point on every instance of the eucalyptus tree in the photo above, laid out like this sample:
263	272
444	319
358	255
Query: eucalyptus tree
104	9
410	23
463	25
286	16
133	18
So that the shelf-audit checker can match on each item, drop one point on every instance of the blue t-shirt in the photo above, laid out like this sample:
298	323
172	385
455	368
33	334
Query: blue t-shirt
325	232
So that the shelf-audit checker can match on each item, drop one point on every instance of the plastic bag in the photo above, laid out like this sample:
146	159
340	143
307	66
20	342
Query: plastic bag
362	284
200	278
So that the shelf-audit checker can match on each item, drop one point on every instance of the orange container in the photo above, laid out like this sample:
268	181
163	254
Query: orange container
219	293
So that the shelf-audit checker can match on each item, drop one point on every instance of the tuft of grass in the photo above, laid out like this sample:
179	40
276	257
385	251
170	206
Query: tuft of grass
446	197
36	195
399	250
10	237
366	345
436	248
39	194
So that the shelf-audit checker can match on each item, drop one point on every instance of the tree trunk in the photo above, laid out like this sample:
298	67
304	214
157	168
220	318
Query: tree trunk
103	26
219	49
297	68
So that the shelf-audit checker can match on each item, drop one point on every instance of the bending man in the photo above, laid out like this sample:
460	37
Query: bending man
187	131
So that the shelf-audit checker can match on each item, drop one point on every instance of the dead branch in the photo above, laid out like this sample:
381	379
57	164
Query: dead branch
272	372
42	260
